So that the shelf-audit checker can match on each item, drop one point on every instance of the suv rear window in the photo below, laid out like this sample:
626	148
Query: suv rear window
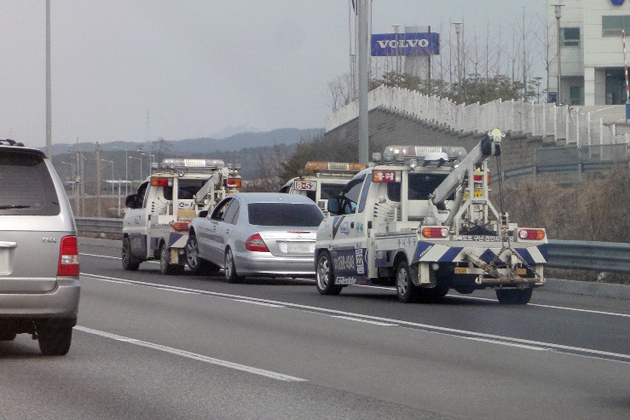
26	187
284	214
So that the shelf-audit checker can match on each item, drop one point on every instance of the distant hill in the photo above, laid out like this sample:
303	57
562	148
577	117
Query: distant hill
287	136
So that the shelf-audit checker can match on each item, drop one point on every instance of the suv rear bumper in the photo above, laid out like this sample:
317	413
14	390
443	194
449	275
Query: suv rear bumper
58	307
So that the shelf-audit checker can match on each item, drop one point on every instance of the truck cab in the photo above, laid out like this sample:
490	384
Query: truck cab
322	180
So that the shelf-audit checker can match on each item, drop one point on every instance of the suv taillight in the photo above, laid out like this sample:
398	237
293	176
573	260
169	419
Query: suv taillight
68	257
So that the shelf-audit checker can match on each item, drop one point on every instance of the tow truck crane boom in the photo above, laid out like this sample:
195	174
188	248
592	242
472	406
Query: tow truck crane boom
489	146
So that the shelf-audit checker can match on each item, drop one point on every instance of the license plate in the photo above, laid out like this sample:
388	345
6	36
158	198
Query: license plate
305	186
300	248
478	193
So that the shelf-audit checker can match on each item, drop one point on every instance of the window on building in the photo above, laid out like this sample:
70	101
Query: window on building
577	95
613	25
570	36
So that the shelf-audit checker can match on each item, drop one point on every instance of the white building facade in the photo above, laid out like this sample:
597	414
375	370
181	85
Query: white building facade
591	62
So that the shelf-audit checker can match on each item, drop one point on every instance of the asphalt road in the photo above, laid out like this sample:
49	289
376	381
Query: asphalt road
167	347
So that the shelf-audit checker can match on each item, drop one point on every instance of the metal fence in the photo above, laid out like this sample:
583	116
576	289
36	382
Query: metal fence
580	255
574	160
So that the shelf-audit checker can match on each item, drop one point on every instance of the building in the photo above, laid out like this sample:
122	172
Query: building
588	36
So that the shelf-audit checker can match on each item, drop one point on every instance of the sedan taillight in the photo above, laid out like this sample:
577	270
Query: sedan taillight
68	257
256	243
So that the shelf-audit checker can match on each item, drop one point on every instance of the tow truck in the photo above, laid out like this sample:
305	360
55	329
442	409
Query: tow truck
322	180
420	218
155	225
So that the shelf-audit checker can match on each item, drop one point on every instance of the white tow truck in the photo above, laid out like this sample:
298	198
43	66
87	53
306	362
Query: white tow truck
322	180
156	221
420	218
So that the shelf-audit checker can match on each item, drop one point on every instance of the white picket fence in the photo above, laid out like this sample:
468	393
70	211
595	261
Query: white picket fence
564	123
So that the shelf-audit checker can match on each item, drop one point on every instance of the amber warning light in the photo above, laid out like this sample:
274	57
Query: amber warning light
234	182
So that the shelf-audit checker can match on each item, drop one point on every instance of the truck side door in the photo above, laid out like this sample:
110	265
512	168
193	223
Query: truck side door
350	227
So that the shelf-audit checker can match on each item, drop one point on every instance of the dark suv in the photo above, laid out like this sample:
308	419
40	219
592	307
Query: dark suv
39	261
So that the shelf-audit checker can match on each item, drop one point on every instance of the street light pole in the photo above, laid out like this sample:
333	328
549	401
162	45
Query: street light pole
363	42
48	85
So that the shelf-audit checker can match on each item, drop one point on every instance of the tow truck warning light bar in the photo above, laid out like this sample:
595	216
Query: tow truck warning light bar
173	163
312	167
403	153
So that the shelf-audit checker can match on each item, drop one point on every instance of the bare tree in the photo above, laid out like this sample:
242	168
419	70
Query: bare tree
339	91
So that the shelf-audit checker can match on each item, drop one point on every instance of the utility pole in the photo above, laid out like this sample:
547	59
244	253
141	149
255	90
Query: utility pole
558	12
98	179
458	31
364	137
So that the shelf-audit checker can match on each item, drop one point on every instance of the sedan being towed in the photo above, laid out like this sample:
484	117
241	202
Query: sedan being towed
255	234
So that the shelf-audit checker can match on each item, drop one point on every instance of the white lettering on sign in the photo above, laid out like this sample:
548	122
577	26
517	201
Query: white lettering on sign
404	43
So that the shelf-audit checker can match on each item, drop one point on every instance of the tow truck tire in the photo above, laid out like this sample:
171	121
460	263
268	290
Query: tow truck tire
326	275
405	289
129	261
165	262
514	296
230	268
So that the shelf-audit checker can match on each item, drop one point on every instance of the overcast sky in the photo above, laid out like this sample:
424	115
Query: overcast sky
196	67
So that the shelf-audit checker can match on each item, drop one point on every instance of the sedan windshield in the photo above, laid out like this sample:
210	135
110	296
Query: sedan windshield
284	214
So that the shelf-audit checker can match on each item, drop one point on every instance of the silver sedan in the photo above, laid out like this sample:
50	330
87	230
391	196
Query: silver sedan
255	234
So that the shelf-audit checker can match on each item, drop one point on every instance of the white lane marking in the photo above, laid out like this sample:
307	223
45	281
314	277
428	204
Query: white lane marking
178	291
99	256
193	356
579	351
503	343
271	305
350	318
539	305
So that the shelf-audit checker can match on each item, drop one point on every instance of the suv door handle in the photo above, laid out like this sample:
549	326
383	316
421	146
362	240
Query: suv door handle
227	231
351	225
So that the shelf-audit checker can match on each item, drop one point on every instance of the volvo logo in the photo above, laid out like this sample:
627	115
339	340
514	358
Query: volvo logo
404	43
617	2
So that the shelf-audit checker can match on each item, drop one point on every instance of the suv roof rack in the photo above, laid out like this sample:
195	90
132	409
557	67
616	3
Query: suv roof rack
11	142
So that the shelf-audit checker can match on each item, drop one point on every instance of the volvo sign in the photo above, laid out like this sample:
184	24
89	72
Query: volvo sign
410	44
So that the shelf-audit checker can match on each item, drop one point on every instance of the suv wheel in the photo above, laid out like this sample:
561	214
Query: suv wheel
54	341
129	261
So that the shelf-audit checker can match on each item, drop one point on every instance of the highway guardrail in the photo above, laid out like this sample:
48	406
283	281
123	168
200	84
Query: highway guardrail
579	255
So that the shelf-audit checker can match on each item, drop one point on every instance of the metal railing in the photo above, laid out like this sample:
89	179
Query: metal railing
580	255
586	255
98	225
